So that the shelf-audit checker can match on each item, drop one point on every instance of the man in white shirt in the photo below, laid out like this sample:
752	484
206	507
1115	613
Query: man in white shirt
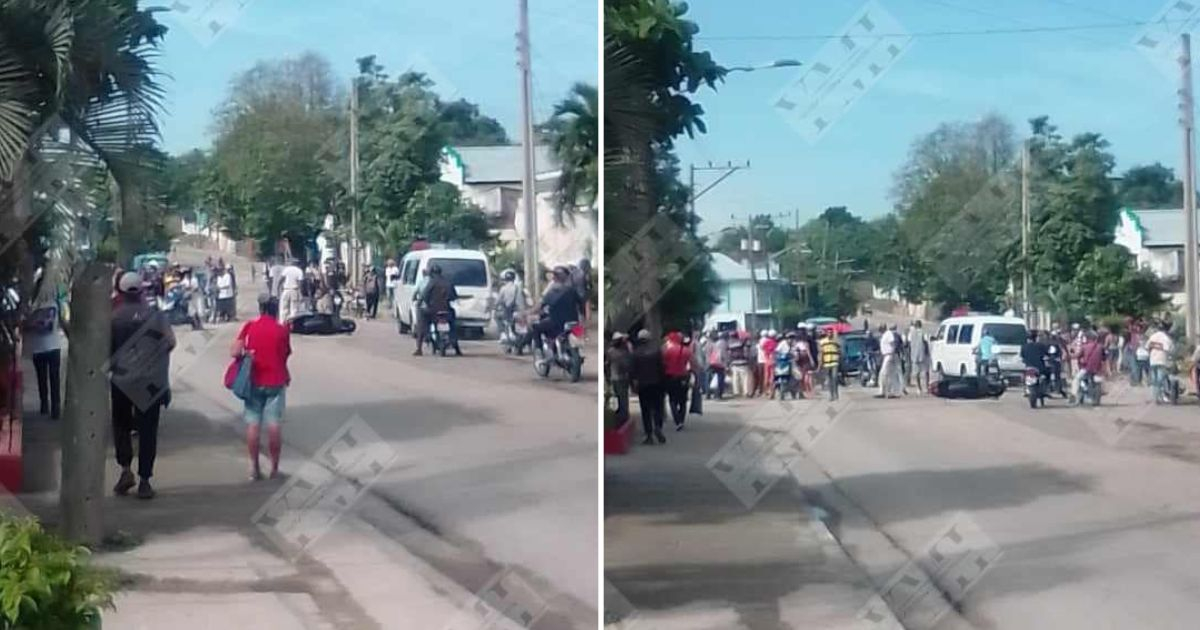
889	372
1161	348
391	277
291	279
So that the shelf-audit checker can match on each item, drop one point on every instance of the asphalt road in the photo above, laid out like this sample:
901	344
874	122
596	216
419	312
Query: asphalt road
1093	511
497	463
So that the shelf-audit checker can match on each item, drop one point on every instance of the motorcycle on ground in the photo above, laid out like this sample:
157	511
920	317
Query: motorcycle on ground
564	351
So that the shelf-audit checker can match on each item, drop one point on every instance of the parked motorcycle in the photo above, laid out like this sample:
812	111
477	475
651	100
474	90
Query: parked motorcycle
564	351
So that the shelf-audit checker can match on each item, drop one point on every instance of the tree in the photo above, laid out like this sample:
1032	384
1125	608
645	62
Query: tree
1150	186
959	182
1108	282
85	68
575	133
651	69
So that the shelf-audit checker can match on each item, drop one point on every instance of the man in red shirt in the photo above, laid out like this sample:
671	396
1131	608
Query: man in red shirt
268	343
677	367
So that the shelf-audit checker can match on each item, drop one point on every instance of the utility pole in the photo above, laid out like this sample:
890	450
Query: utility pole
1025	161
1189	183
728	169
533	278
354	182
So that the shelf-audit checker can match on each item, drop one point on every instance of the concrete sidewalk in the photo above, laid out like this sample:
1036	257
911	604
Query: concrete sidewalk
196	560
682	551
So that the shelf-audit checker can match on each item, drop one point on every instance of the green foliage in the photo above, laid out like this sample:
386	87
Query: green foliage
1150	186
575	133
1107	282
46	583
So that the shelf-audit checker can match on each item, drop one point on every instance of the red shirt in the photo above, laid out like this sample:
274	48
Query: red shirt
270	343
677	358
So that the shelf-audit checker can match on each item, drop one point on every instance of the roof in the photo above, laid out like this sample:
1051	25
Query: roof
728	269
502	163
1160	227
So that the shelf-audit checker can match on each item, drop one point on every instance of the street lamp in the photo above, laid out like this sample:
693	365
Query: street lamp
778	63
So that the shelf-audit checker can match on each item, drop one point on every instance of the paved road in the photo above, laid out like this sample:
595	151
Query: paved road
1093	511
495	462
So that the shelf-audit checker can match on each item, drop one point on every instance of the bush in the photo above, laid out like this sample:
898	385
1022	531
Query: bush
46	583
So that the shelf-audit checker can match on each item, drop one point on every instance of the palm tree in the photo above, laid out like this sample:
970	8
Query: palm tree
83	69
576	130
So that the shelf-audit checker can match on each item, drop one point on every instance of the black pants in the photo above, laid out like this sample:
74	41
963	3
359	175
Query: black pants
48	365
372	305
650	399
621	391
677	394
720	389
542	327
126	417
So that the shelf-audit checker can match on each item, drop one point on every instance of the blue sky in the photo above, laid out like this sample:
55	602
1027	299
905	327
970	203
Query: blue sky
468	45
1090	80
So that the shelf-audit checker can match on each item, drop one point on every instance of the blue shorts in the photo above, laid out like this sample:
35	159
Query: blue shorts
265	405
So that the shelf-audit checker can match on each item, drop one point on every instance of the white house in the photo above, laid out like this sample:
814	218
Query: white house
737	290
490	176
1155	238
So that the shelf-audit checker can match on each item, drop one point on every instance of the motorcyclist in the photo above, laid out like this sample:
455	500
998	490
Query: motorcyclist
560	304
510	300
1055	354
436	297
1091	362
1033	354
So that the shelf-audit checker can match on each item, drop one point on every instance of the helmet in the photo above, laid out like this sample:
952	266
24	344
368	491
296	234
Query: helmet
509	275
585	264
561	271
435	269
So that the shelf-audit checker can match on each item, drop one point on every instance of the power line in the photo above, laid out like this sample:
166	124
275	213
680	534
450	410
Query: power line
948	33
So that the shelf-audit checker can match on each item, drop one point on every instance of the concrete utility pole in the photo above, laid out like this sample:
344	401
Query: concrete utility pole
354	182
728	169
533	277
1025	225
1189	183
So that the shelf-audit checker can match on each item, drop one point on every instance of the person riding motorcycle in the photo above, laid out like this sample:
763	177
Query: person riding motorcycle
510	300
560	304
436	297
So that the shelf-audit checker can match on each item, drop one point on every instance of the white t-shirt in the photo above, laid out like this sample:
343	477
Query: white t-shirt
292	278
49	339
224	286
392	273
888	343
1161	356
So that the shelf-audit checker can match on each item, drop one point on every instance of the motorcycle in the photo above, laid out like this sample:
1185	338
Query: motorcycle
1090	390
512	333
1170	390
441	333
1035	387
784	381
564	352
174	306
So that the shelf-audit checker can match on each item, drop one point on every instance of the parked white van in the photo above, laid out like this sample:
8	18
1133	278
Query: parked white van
469	272
952	349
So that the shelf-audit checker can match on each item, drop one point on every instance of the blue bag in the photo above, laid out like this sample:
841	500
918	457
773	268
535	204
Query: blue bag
242	385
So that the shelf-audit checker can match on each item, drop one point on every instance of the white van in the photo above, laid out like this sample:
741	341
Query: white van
469	272
952	349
